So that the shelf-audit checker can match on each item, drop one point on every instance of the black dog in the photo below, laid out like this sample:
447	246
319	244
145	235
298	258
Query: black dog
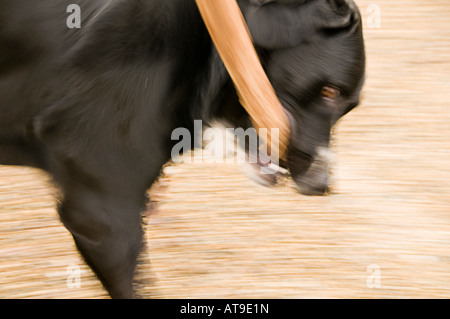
95	106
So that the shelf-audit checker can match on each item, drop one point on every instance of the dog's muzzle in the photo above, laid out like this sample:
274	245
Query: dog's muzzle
315	181
310	174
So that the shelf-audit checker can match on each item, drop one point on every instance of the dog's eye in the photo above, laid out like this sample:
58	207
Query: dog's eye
329	92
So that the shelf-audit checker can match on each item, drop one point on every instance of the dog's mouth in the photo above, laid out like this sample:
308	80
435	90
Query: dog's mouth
309	173
265	172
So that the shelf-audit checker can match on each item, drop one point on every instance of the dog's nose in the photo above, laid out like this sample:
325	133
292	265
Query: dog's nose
315	181
316	185
314	190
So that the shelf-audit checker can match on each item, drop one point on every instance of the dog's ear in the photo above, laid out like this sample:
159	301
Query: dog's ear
276	24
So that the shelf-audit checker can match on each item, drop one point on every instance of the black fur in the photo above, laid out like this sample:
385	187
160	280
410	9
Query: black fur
95	107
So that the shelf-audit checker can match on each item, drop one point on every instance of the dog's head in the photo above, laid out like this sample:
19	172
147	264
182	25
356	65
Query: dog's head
313	53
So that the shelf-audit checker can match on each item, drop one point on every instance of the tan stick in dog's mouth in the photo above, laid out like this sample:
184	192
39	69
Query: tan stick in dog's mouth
228	30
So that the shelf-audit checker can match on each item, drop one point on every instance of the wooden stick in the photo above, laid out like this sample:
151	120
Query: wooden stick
230	34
